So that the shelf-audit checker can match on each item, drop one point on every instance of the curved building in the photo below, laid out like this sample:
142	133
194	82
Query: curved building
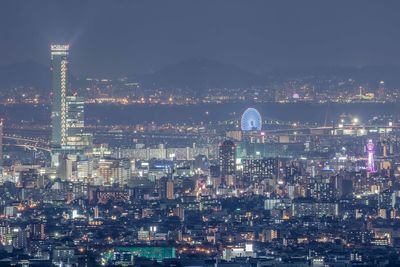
251	120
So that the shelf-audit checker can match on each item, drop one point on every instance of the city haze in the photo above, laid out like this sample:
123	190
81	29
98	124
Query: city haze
116	38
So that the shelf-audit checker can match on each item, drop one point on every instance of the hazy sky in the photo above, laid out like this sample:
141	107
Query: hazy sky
128	36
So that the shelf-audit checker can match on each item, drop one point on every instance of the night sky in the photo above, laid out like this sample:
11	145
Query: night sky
128	36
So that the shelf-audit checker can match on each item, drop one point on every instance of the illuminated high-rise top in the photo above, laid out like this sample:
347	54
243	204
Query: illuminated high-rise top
371	158
59	49
59	63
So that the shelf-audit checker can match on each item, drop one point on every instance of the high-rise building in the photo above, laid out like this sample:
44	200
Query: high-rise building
76	138
227	158
260	168
96	212
114	171
371	158
65	165
381	91
75	115
59	66
170	189
67	116
84	169
165	187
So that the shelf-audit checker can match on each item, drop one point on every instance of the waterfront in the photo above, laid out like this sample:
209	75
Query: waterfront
141	114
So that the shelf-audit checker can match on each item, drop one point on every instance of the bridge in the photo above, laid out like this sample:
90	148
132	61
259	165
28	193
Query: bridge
314	130
28	143
298	130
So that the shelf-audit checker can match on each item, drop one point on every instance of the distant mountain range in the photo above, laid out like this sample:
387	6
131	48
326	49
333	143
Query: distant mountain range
202	73
199	74
370	74
27	74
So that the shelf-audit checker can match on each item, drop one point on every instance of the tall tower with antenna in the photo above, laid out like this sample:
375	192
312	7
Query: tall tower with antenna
59	62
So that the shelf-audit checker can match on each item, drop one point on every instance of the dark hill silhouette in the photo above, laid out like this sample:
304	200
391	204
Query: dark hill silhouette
27	73
200	74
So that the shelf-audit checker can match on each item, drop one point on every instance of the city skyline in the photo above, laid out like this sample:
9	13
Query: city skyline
211	161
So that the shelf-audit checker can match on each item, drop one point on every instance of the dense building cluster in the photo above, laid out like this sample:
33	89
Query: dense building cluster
227	194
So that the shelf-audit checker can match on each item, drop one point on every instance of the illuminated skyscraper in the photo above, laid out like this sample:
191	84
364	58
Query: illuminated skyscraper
260	168
67	114
227	158
381	91
75	106
59	63
371	159
170	189
76	139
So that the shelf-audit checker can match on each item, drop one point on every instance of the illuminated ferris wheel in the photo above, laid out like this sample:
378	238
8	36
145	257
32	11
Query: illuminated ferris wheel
251	120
